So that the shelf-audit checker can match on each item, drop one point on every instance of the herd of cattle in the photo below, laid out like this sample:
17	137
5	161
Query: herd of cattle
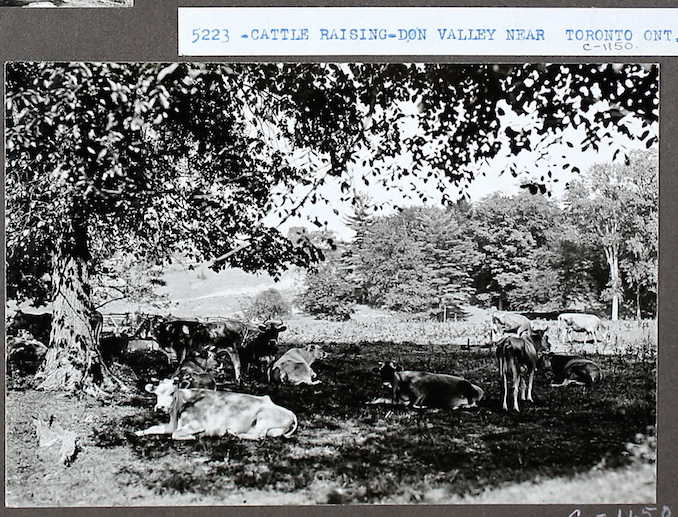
197	407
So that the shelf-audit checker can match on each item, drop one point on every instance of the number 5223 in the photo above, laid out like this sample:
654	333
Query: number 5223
210	35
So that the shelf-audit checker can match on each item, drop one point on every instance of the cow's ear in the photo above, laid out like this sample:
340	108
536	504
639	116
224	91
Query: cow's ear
184	383
149	388
263	327
282	329
155	380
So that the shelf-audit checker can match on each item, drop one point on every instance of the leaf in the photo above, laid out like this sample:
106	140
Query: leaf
167	71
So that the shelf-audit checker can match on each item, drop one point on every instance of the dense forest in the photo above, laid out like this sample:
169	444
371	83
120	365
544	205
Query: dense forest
593	249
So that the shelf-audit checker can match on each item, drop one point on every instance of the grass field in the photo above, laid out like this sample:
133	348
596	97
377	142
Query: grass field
348	452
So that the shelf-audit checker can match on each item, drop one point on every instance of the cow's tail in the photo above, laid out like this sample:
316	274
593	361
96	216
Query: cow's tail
294	427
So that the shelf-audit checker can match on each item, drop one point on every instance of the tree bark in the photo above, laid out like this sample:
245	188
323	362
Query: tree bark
73	360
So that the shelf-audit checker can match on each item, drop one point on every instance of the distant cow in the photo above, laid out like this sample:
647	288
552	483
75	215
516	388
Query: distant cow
294	367
40	325
216	413
588	323
424	389
571	369
509	322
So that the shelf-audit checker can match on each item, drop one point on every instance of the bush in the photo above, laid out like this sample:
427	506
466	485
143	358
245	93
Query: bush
269	304
327	294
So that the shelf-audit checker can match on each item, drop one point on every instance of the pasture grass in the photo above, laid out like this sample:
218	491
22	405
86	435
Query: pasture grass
346	451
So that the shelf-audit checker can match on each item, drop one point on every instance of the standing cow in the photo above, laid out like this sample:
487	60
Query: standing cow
509	322
588	323
246	345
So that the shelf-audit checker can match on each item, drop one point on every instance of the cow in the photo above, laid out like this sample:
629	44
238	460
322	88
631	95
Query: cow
571	369
40	325
246	345
294	367
425	389
24	353
579	322
515	353
216	413
196	372
509	322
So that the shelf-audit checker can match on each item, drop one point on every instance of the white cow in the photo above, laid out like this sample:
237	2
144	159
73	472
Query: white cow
509	322
589	323
294	367
216	413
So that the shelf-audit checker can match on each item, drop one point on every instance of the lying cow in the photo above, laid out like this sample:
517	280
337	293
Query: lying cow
294	367
424	389
216	413
571	369
509	323
588	323
197	372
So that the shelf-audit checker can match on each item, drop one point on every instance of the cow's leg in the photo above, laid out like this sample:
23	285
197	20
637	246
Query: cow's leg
529	386
523	387
235	360
516	385
503	373
183	434
418	402
156	429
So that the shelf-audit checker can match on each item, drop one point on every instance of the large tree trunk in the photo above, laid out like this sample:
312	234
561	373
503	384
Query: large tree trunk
73	361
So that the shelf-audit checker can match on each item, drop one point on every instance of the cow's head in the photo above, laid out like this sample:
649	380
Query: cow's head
316	352
386	371
544	361
164	391
540	339
267	340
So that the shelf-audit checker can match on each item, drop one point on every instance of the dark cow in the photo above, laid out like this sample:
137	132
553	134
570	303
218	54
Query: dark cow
571	369
247	345
515	354
425	389
40	325
196	372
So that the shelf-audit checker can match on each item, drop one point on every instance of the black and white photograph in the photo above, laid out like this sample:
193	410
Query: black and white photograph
66	3
330	283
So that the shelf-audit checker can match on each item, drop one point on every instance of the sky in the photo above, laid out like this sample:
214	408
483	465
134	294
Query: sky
491	179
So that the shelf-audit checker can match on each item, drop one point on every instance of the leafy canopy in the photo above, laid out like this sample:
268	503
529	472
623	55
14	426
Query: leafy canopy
156	160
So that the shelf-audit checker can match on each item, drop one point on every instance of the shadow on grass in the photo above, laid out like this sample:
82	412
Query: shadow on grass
379	451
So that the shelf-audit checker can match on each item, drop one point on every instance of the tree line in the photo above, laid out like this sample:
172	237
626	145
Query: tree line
594	249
